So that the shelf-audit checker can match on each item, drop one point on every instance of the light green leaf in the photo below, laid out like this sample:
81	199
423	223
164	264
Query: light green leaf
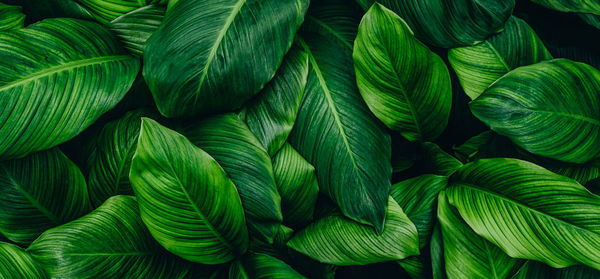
271	115
114	148
297	185
404	84
417	197
261	266
341	241
227	139
110	242
334	124
11	17
479	66
16	263
528	211
451	23
58	77
186	200
134	28
581	6
38	192
218	69
105	11
551	109
468	255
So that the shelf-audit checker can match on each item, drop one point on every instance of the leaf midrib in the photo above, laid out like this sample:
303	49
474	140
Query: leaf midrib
497	54
122	254
332	31
64	67
517	203
213	50
335	113
568	115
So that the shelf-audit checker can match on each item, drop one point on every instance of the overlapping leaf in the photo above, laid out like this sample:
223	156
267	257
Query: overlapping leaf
404	84
11	17
272	114
341	241
110	242
262	266
335	131
451	23
38	192
227	139
297	185
134	28
16	263
529	211
551	108
58	77
186	200
479	66
105	11
582	6
211	50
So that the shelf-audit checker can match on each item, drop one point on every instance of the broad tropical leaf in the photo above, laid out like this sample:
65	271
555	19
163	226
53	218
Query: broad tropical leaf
262	266
591	19
436	247
11	17
16	263
537	270
297	185
468	255
114	148
38	192
416	267
417	197
134	28
341	241
335	131
431	159
479	66
271	115
186	200
551	108
581	6
451	23
528	211
110	242
405	85
105	11
58	77
227	139
218	69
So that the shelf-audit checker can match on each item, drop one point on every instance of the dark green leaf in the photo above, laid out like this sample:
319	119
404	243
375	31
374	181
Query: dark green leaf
110	242
436	247
58	77
38	192
262	266
134	28
550	108
227	139
16	263
205	55
186	200
581	6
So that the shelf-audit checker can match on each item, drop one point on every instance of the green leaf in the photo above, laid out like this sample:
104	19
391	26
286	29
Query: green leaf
218	69
38	192
479	66
105	11
436	248
16	263
58	77
262	266
227	139
334	124
432	159
186	200
114	148
404	84
468	255
453	23
528	211
415	266
11	17
551	109
417	197
537	270
271	115
297	185
591	19
134	28
110	242
581	6
341	241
